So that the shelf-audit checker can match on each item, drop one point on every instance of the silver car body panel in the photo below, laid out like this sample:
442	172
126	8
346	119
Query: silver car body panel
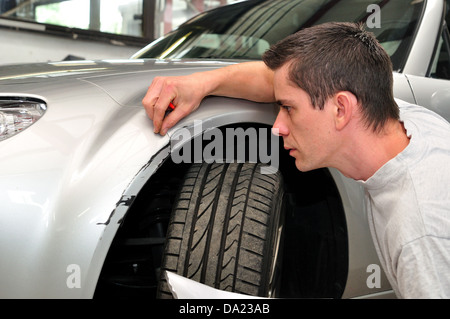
67	180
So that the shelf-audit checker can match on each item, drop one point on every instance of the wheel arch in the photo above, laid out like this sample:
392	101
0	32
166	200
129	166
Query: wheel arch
154	179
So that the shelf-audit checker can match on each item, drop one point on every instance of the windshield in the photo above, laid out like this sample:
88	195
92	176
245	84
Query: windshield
247	29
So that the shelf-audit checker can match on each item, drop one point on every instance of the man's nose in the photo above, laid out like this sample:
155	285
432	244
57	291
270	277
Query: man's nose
279	127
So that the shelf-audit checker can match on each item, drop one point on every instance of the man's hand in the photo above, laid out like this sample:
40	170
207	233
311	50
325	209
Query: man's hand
184	92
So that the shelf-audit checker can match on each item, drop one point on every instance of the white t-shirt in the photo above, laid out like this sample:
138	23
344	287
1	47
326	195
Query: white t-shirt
408	204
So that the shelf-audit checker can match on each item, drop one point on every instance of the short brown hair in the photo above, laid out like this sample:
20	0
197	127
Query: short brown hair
339	56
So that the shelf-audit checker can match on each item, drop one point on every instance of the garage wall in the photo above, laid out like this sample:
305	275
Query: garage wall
25	41
25	47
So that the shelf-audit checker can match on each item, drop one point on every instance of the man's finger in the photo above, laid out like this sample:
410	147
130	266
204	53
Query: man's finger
172	118
159	111
152	96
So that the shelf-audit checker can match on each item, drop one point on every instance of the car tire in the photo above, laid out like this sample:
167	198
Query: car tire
226	229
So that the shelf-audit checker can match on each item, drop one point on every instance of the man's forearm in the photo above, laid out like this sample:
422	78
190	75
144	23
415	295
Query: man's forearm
251	81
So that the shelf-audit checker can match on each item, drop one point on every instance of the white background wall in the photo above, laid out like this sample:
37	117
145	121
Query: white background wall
25	47
18	46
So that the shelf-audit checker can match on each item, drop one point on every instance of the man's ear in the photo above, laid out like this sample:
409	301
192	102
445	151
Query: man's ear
345	104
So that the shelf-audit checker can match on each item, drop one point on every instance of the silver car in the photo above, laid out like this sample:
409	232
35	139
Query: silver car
94	204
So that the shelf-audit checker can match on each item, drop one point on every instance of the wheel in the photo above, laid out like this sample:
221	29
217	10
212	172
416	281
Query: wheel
226	228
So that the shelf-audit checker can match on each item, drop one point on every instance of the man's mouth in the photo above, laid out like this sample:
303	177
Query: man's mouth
289	149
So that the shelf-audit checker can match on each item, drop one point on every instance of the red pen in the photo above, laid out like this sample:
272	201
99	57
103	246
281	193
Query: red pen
170	108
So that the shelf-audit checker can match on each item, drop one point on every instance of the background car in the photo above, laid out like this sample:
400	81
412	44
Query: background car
93	204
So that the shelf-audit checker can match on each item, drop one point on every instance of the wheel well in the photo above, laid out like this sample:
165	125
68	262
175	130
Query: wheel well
315	260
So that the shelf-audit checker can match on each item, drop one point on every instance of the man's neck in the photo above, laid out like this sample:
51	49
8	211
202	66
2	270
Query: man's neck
367	152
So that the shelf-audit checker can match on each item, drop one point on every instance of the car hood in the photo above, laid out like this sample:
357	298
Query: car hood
38	72
125	81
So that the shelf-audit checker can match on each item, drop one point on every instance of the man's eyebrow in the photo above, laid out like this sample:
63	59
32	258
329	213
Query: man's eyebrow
283	102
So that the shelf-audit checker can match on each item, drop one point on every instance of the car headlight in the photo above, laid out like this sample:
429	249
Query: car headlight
16	114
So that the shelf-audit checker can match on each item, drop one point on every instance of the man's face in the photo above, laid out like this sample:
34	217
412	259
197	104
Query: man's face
307	132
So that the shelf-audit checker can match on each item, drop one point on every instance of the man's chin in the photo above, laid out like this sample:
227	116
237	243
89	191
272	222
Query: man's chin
303	166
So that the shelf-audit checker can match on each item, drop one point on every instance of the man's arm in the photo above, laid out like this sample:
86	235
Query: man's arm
250	80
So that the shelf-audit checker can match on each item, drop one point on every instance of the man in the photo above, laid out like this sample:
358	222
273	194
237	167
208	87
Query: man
334	85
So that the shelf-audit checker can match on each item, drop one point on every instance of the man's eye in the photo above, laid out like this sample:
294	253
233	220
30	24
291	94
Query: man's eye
287	108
